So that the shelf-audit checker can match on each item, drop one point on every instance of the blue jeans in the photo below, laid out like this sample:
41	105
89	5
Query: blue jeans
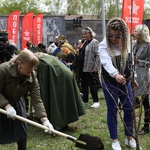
112	93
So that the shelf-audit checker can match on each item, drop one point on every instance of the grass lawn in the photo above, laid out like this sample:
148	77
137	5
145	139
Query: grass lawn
93	123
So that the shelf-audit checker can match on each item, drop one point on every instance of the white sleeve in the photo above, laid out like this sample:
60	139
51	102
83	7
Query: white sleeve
106	60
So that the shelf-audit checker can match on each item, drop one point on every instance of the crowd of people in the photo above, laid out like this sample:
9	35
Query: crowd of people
38	71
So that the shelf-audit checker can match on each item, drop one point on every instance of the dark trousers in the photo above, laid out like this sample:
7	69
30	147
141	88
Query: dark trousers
124	93
86	83
22	144
146	110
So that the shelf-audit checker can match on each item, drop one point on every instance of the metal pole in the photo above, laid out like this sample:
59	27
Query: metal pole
103	19
117	1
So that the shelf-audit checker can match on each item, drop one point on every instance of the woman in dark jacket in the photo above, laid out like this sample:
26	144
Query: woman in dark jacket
17	79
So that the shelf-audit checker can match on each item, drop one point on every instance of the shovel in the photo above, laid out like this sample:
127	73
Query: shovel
84	141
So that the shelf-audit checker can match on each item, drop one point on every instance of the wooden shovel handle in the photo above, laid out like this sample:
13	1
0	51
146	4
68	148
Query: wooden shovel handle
44	127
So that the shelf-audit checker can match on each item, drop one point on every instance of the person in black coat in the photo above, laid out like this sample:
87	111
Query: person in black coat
6	50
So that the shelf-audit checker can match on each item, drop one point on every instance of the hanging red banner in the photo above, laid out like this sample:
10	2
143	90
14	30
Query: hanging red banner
38	29
27	24
12	26
132	13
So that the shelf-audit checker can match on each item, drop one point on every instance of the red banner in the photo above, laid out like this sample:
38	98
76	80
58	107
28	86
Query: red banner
27	23
12	26
38	29
132	13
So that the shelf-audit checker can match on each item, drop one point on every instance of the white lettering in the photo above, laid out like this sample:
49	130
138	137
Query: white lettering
38	32
133	19
14	31
14	24
15	17
26	38
13	37
38	26
38	38
38	20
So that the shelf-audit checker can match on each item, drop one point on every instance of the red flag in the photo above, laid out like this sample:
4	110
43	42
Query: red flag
27	23
132	13
12	26
37	29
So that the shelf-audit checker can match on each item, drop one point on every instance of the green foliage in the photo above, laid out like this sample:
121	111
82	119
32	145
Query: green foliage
74	7
146	14
84	7
23	5
113	8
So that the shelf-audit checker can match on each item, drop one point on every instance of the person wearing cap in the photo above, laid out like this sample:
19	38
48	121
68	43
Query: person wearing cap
88	65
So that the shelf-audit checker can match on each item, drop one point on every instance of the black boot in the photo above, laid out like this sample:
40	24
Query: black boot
144	130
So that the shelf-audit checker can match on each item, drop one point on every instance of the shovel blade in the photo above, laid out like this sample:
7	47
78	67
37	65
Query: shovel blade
92	142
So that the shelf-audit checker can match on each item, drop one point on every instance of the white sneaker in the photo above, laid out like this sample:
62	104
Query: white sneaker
95	105
116	145
131	143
